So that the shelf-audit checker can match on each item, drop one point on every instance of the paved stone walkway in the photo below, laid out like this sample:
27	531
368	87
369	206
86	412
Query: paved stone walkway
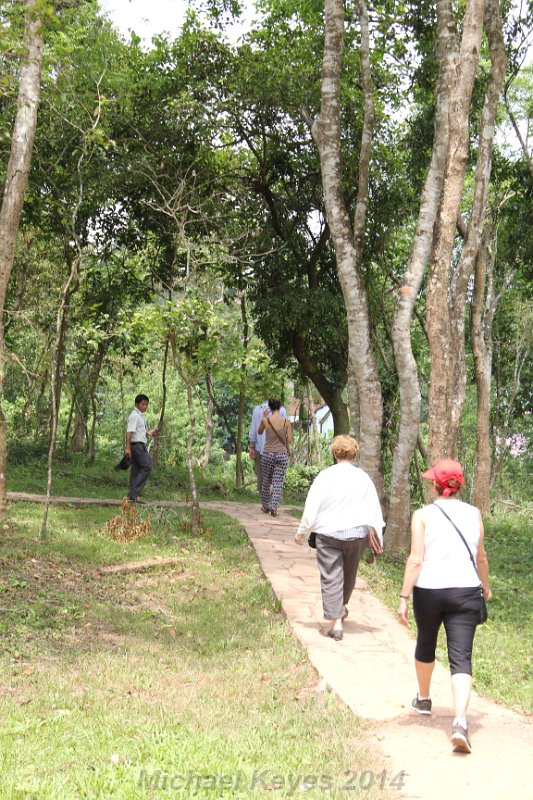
372	671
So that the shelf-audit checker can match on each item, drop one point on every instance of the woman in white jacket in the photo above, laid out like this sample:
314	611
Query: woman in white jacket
341	506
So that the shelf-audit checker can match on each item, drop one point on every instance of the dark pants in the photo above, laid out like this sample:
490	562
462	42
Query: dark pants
456	609
141	466
338	562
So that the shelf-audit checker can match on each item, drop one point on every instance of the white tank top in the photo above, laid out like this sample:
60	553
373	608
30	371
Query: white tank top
446	561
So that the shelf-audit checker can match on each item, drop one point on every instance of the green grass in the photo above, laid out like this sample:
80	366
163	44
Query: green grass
502	657
175	682
73	476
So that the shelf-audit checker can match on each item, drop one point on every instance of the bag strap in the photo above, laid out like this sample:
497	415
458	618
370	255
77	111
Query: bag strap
462	537
283	442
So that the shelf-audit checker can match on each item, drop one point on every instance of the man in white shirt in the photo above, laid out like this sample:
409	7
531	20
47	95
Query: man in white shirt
136	449
257	440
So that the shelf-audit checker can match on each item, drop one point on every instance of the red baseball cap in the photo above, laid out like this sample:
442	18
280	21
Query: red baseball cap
443	471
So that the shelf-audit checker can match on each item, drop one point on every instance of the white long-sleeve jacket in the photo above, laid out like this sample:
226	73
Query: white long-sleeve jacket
341	497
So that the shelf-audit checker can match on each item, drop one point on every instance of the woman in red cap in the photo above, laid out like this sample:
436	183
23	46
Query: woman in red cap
445	578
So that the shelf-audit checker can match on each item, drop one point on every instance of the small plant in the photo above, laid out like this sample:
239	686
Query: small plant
128	526
299	479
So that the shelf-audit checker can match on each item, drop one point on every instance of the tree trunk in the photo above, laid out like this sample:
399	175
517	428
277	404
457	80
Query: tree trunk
239	471
347	238
160	424
439	325
79	436
314	428
522	355
15	186
409	424
462	275
61	334
482	350
96	369
194	505
55	384
330	392
209	425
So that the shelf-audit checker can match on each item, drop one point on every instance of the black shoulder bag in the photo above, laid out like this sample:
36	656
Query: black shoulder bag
483	611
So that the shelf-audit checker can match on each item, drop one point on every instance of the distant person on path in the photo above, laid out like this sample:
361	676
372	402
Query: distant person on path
136	449
257	440
445	586
275	455
341	507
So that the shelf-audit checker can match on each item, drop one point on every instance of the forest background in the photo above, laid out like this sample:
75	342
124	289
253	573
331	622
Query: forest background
306	212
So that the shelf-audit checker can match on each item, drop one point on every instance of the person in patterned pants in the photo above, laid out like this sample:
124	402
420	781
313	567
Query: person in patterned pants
275	457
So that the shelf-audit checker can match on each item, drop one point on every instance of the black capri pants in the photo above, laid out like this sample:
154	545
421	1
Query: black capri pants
458	610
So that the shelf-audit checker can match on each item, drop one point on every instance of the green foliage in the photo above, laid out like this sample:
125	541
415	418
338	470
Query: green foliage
184	184
299	478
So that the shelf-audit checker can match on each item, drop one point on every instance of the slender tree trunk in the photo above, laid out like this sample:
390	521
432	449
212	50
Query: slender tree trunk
72	407
483	300
439	323
410	399
94	376
523	144
523	353
80	434
209	426
54	385
314	429
160	424
36	381
239	471
222	411
194	505
347	238
462	275
16	180
61	334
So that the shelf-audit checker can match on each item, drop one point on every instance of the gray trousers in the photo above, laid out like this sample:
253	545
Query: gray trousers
258	472
338	562
141	466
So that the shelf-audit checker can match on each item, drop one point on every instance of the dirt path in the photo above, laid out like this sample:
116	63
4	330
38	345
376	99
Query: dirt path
371	671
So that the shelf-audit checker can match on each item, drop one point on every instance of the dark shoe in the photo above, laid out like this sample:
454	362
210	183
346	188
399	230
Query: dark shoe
274	513
265	510
460	740
140	502
422	706
345	613
336	635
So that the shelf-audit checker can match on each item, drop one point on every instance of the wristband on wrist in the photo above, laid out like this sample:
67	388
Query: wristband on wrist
404	596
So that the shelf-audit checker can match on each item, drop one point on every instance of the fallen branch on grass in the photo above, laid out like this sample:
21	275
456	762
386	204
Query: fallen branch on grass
512	505
137	566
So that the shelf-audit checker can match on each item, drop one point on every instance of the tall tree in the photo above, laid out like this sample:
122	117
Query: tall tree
16	180
439	299
410	399
348	234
